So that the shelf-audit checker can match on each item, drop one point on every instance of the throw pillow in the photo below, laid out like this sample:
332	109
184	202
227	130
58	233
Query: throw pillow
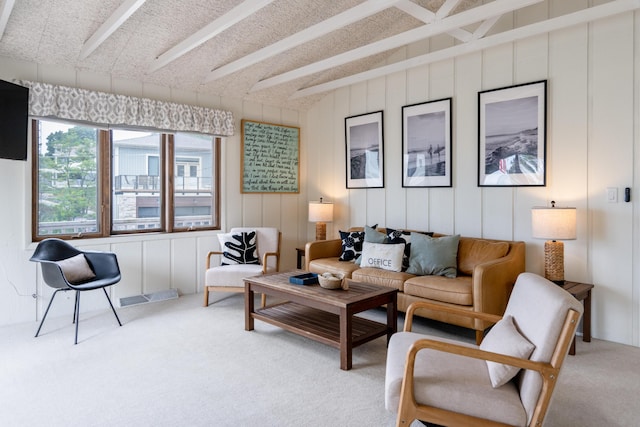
351	244
239	248
433	256
403	236
472	252
504	338
382	255
374	236
76	269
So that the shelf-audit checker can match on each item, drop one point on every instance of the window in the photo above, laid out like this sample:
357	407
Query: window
90	182
193	197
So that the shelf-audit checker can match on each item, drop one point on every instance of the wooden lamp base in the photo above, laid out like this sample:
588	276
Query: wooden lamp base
321	231
554	261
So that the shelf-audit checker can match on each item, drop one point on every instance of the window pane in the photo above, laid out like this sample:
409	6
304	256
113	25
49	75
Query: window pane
193	192
137	188
67	179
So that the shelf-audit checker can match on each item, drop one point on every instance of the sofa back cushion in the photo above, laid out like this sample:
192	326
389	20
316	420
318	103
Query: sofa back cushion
472	252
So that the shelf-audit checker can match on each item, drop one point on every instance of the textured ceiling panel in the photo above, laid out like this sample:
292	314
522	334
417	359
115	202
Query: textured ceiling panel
54	32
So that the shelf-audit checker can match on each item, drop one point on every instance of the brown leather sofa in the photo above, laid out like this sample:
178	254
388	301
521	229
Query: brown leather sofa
485	277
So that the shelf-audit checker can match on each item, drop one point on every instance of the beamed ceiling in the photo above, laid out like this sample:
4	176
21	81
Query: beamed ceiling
285	53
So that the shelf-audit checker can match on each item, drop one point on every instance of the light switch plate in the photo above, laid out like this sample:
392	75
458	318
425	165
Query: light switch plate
612	195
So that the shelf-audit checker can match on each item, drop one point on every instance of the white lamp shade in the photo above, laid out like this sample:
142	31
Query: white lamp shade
320	212
553	223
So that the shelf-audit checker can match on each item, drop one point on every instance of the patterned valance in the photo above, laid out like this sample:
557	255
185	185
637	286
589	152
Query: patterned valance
100	108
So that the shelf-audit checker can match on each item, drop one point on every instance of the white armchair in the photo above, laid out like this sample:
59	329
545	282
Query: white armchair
229	278
507	380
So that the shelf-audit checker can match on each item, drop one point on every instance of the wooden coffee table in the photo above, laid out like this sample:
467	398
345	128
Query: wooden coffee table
324	315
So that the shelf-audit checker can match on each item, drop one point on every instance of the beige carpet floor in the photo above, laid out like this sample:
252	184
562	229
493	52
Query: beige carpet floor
176	363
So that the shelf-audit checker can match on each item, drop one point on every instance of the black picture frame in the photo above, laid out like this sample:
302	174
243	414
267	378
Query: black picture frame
426	144
512	142
364	145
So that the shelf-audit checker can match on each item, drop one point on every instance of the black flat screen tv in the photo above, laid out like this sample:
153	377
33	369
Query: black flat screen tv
14	121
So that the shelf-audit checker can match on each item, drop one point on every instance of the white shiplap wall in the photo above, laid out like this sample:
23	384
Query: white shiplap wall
152	262
593	126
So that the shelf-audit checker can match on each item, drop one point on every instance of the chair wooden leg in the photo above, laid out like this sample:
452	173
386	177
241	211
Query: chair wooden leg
206	296
479	337
264	300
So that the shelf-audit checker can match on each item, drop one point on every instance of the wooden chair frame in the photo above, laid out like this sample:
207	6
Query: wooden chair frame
409	410
237	289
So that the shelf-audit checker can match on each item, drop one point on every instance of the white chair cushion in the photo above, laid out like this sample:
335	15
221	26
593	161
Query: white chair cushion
452	382
231	275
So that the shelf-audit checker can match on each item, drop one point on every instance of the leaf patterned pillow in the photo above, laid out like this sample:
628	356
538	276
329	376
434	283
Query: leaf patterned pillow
239	248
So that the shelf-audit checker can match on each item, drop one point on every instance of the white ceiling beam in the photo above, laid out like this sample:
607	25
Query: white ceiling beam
576	18
357	13
496	8
5	12
484	28
122	13
235	15
417	11
426	16
446	8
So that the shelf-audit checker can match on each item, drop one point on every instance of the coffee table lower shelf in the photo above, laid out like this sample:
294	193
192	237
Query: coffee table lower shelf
319	325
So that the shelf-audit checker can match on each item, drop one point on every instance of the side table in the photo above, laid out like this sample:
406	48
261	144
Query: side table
581	292
299	256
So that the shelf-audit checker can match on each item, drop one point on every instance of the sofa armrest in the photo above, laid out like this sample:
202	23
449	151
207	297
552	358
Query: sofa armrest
408	320
494	280
321	249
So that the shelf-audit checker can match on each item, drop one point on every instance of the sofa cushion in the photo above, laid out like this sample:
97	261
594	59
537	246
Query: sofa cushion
437	256
382	255
390	279
472	252
504	338
439	288
332	265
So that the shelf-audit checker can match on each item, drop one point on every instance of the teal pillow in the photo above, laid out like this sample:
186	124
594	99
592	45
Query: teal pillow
433	256
372	235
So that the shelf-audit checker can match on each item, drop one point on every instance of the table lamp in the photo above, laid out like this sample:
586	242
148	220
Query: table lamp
554	224
321	213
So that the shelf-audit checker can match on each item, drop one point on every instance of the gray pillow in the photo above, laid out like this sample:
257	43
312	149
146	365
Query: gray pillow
433	256
76	269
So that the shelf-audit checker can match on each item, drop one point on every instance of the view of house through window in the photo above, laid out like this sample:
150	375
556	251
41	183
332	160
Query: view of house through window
69	174
137	183
193	182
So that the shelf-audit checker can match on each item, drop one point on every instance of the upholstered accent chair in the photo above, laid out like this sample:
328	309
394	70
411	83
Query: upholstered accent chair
66	268
244	252
507	380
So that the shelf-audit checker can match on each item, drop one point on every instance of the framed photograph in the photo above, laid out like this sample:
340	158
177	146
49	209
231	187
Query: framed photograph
426	144
512	133
364	149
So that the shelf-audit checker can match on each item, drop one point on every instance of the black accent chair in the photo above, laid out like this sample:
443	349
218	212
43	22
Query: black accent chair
100	270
